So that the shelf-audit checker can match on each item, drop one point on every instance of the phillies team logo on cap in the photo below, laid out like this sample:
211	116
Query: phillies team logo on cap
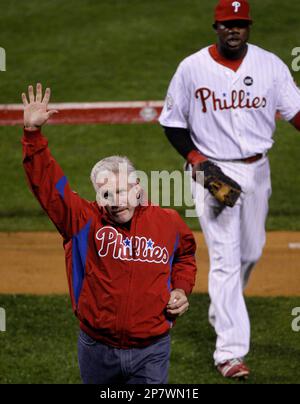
227	10
236	5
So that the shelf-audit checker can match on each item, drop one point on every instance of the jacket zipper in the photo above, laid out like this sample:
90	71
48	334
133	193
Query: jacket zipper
132	233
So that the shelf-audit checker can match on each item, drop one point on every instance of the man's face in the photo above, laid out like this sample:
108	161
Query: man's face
118	195
233	35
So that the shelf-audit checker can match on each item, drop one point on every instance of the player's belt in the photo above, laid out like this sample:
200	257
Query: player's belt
248	160
252	159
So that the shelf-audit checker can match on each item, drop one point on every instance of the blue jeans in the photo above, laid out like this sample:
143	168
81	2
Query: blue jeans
104	364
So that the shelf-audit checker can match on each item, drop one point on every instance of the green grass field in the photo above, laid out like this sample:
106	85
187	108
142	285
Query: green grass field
122	50
102	50
77	148
41	339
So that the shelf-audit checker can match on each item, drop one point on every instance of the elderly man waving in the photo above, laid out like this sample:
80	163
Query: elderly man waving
130	265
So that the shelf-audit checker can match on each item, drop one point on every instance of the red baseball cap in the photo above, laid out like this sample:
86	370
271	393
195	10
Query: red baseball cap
227	10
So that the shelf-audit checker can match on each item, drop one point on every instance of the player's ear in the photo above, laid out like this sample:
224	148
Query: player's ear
215	27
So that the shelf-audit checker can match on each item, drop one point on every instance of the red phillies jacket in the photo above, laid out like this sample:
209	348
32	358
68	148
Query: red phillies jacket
119	279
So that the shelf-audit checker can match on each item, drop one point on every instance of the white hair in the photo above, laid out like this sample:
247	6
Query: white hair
112	164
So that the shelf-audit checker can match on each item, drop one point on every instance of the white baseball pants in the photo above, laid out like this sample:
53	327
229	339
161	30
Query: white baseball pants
235	238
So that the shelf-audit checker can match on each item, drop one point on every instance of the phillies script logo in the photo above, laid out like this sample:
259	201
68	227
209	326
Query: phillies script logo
237	99
131	249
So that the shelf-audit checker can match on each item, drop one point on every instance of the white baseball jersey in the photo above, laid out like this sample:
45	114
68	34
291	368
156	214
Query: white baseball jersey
231	115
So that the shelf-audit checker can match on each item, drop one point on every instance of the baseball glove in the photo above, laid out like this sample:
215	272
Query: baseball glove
222	187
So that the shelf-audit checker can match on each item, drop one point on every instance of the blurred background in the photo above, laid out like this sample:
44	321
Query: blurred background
127	50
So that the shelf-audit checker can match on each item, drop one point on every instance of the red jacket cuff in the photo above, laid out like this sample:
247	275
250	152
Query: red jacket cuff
33	141
195	157
184	285
30	134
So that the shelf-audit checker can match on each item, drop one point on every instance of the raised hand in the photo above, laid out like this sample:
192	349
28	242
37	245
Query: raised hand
35	111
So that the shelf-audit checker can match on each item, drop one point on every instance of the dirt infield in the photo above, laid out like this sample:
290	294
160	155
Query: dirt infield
34	263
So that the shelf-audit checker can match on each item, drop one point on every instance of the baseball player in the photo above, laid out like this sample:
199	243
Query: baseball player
130	265
219	115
